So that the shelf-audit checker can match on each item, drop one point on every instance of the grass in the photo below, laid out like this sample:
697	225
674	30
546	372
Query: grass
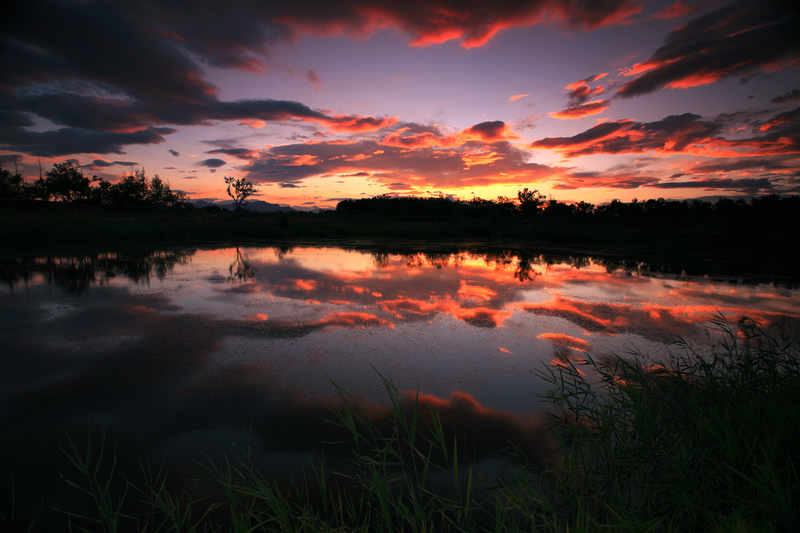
702	441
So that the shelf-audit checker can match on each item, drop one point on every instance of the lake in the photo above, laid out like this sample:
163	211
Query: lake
192	352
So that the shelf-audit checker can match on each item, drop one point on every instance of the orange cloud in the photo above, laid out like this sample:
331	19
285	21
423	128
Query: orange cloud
355	123
515	97
561	339
697	78
436	22
408	308
594	107
350	319
305	284
304	159
252	122
492	131
644	66
482	316
683	134
475	292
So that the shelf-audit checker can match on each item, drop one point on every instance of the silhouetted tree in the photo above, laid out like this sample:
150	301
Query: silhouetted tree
160	194
240	269
530	200
11	185
66	182
136	190
239	189
131	190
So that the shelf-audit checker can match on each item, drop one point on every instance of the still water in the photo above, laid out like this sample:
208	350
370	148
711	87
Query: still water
188	351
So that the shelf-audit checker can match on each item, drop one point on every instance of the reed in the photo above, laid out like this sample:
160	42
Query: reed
702	441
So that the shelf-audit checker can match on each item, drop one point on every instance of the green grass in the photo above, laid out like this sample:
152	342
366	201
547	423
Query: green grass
703	441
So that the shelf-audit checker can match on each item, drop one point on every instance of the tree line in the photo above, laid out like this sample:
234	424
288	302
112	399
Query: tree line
65	182
535	205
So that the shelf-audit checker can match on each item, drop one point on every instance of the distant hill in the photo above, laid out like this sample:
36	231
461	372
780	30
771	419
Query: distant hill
258	206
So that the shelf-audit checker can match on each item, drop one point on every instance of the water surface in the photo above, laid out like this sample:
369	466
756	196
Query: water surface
190	350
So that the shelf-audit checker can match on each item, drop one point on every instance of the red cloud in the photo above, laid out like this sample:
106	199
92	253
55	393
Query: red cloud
492	131
352	319
567	341
438	21
414	162
736	38
685	134
580	180
584	110
654	321
495	130
355	123
676	10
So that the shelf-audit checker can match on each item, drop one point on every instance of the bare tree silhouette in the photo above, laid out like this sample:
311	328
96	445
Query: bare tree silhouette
239	189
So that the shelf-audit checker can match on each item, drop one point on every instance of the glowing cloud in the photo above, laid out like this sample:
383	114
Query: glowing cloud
584	110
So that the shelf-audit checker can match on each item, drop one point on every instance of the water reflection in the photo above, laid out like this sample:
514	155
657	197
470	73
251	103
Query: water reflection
185	345
75	274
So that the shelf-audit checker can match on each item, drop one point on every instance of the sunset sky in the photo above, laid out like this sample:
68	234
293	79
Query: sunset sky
319	101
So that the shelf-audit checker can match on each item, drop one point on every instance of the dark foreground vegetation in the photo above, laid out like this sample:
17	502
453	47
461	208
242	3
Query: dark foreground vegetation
704	441
65	209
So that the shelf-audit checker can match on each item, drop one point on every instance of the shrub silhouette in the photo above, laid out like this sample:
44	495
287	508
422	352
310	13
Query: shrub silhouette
66	182
239	189
11	185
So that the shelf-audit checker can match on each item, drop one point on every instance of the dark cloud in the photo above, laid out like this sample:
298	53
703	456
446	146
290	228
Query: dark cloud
174	152
589	136
751	186
580	180
101	163
581	90
727	165
65	141
489	130
432	22
791	96
240	153
211	163
735	39
9	158
93	113
289	186
686	133
673	11
99	86
783	125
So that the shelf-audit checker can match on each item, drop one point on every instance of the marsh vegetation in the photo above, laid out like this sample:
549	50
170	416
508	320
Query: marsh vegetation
702	441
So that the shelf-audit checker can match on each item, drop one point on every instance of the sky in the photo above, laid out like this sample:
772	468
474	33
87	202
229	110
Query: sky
315	102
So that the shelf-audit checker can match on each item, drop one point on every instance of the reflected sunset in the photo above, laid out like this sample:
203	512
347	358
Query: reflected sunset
386	266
